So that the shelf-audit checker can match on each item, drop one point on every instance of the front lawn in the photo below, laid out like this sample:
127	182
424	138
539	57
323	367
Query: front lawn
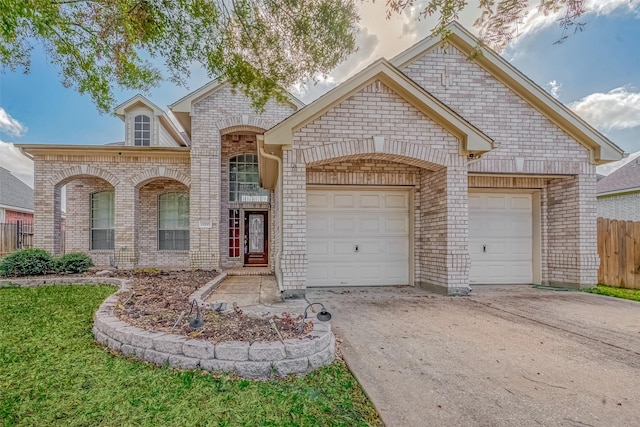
53	374
632	294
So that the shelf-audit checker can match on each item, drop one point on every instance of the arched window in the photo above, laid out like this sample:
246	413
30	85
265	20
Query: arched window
173	222
244	181
142	130
102	220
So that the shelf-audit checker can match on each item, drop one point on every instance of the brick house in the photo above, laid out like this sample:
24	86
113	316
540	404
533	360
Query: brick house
619	193
431	169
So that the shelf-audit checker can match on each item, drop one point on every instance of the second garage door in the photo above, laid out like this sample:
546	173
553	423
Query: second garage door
500	238
357	237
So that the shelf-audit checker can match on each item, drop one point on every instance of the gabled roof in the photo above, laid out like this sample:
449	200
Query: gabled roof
471	138
602	150
622	180
182	108
135	101
14	193
164	117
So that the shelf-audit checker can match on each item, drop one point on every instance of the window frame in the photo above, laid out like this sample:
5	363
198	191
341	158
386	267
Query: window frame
109	218
176	237
246	165
141	140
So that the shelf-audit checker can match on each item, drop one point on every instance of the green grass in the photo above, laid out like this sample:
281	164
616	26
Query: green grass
632	294
53	374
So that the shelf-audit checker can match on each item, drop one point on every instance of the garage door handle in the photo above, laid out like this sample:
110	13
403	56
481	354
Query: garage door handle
484	248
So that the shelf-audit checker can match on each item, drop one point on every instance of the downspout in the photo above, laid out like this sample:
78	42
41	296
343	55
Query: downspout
278	268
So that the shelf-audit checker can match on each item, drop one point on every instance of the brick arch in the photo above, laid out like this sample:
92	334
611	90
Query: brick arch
393	150
68	174
243	123
159	172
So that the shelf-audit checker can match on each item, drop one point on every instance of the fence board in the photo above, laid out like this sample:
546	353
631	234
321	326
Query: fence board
14	236
619	250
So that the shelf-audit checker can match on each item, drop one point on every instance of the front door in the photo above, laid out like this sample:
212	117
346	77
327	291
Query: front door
255	238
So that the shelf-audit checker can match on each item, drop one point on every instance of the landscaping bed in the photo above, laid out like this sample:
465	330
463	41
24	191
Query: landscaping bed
159	301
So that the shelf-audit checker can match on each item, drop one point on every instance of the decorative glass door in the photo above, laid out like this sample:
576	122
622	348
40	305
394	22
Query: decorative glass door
255	238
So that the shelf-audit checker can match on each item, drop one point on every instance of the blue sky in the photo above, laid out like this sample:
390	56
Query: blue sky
595	72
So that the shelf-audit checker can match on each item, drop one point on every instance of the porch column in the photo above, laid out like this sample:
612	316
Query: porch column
444	230
126	213
48	212
204	234
572	231
294	260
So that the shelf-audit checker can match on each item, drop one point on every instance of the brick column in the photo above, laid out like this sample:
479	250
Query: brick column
205	206
126	211
572	232
444	231
294	260
48	213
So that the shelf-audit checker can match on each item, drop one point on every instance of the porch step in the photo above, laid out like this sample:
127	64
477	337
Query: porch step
248	271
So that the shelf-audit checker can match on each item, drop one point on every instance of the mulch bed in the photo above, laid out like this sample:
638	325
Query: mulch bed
159	301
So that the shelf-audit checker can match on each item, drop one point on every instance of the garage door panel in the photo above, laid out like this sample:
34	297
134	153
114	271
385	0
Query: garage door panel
318	248
501	238
317	200
343	201
370	201
370	225
377	221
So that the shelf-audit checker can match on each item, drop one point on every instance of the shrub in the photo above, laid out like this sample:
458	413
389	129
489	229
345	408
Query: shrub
76	262
27	262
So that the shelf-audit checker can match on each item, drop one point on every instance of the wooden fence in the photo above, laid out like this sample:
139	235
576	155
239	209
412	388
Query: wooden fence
619	250
15	236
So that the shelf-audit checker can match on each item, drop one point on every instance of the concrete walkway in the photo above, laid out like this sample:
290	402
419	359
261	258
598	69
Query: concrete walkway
506	356
259	294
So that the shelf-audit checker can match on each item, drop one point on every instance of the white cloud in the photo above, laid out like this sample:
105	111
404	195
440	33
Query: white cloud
610	167
14	161
617	109
553	87
11	126
367	43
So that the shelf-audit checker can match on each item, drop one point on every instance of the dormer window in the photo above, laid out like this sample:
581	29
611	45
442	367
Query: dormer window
142	130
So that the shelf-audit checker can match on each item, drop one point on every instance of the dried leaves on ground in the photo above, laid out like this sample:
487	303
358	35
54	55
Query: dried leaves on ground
159	301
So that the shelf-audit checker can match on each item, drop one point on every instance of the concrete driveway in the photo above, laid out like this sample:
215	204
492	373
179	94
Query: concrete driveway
505	356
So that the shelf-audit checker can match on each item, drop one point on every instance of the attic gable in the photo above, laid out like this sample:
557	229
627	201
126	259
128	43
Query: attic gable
183	107
471	139
601	149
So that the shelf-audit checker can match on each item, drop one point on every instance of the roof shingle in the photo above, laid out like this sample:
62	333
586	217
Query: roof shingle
625	178
14	192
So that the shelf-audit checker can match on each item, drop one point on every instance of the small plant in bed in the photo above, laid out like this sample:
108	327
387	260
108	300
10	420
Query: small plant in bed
73	263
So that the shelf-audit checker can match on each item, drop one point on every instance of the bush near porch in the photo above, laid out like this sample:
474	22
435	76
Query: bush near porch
53	373
37	262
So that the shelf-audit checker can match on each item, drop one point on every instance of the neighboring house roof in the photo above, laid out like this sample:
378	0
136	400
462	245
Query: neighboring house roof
622	180
181	109
601	148
165	118
14	193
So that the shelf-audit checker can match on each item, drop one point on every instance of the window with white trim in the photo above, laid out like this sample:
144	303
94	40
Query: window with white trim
173	222
244	184
102	220
142	130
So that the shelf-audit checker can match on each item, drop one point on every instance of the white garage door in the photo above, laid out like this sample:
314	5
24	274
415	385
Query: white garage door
500	238
357	237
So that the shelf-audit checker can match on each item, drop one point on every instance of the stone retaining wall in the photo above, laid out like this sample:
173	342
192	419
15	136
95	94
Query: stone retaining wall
252	360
